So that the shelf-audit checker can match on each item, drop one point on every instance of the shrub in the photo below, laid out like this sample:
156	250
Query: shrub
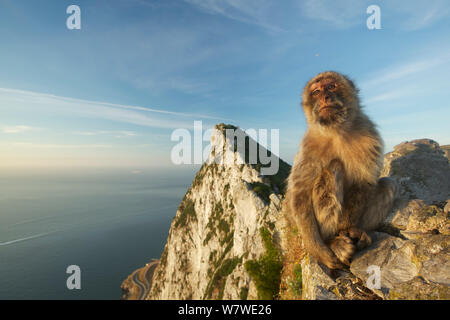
244	293
296	284
219	278
262	190
187	210
223	226
266	271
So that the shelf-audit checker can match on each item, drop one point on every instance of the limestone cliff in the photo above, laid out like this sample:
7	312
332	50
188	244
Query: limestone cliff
221	241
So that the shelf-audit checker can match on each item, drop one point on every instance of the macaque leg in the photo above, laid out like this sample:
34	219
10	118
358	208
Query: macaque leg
327	196
355	204
378	205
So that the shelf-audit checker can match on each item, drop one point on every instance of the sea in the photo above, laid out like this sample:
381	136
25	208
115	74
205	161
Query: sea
108	222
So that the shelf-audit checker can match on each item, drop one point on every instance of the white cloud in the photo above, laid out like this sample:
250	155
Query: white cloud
421	14
160	56
173	82
405	80
138	115
54	146
405	69
411	15
117	134
253	12
16	129
340	14
395	94
406	95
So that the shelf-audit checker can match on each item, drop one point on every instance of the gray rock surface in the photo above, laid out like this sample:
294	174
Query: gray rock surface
421	169
446	150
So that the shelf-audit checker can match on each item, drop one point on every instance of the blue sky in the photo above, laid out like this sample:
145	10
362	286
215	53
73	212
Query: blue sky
111	93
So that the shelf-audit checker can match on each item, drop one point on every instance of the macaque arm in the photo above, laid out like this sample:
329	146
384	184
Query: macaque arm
302	211
328	197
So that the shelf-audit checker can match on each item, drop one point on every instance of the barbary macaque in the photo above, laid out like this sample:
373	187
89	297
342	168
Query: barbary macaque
333	192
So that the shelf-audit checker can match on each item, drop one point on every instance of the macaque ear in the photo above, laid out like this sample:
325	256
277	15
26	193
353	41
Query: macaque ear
352	84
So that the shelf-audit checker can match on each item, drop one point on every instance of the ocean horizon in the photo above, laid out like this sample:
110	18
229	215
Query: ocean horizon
107	222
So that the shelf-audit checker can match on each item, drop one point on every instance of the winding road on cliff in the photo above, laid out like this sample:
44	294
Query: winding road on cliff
141	286
144	288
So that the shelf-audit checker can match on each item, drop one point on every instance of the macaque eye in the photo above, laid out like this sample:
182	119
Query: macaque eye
315	92
331	86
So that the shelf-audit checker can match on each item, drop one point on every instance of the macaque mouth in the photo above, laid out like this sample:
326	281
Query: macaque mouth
329	112
330	107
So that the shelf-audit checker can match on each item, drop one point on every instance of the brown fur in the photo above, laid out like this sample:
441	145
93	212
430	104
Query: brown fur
333	194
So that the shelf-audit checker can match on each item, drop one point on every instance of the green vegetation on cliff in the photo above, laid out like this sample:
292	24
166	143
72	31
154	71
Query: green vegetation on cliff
187	211
266	271
218	281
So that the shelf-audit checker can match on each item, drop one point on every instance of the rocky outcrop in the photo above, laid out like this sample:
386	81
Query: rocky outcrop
410	255
137	285
446	150
224	230
130	289
421	169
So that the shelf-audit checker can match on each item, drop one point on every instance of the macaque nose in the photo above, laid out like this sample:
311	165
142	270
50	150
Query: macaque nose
326	97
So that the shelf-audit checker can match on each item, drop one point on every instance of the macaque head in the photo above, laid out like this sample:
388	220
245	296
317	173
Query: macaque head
330	99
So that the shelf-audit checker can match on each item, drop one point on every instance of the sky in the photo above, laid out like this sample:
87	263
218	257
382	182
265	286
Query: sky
111	93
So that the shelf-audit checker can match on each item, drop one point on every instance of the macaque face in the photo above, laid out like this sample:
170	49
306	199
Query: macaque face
329	99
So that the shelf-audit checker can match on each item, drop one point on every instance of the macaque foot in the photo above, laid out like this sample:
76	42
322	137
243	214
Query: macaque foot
360	237
343	248
334	264
329	259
